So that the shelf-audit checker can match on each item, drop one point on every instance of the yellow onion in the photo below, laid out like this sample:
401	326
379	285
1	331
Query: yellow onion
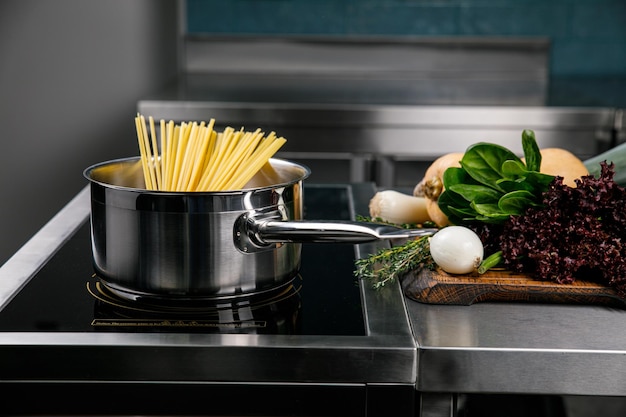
431	186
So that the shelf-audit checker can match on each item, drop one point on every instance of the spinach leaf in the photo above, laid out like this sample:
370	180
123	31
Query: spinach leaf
489	213
483	162
476	192
451	177
466	214
493	183
515	185
516	202
513	169
456	175
448	204
532	154
539	181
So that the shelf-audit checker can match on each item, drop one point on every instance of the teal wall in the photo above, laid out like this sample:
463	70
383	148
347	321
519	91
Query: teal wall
588	37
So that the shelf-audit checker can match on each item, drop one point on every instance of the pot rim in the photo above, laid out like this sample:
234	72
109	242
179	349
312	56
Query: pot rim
87	173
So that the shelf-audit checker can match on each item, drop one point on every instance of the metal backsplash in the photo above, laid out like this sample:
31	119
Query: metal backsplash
431	70
372	109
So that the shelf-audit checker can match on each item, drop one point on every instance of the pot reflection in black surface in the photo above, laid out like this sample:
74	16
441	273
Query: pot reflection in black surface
272	312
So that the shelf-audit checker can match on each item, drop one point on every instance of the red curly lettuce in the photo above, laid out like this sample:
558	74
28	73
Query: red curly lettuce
578	233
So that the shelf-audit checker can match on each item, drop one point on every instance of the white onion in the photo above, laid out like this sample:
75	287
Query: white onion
396	207
456	249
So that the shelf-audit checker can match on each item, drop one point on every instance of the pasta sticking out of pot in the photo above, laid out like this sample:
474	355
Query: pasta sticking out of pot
194	157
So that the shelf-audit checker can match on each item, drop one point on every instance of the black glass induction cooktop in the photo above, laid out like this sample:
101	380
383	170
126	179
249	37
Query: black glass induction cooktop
323	299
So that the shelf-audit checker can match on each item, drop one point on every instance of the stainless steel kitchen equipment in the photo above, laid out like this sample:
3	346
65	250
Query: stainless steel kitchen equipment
395	356
328	345
326	350
516	349
381	110
197	245
376	109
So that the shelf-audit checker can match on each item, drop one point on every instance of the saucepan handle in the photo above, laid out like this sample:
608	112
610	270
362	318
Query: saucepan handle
264	230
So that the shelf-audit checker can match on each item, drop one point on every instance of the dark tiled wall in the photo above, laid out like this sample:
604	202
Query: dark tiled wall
588	37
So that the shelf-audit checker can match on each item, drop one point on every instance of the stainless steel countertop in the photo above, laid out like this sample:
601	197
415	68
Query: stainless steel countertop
507	348
386	354
520	348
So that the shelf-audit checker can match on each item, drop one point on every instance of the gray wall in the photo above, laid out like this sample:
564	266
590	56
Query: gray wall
71	72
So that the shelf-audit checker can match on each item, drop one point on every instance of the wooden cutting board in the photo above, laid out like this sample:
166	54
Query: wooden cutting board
439	287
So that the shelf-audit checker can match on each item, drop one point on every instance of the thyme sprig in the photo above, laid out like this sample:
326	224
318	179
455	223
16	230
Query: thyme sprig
389	264
362	218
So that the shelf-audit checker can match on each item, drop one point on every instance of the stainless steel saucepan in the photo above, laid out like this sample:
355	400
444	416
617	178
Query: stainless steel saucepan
195	245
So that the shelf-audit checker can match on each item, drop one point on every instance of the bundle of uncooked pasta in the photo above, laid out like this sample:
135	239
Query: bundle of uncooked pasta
194	157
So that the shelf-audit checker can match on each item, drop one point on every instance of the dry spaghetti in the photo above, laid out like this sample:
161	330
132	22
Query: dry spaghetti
194	157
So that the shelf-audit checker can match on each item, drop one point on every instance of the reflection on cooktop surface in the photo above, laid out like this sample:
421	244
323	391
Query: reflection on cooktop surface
273	312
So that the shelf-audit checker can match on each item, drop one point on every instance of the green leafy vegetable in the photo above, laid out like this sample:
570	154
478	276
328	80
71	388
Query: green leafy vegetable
493	183
516	202
483	162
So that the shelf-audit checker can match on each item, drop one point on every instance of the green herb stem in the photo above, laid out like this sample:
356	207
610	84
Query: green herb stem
489	262
387	265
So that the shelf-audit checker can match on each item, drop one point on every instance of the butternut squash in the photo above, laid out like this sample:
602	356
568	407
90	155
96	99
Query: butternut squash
561	162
